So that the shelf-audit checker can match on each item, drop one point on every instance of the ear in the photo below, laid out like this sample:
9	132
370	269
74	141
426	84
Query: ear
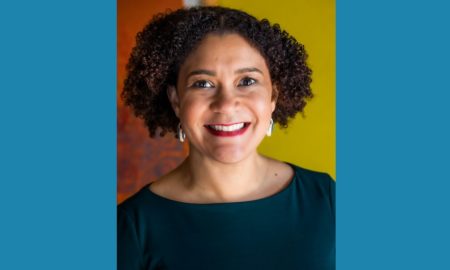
174	99
274	97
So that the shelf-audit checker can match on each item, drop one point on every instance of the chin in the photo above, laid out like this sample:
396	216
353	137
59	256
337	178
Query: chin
229	157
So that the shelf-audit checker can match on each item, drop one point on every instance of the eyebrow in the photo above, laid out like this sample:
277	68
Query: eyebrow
201	71
212	73
248	69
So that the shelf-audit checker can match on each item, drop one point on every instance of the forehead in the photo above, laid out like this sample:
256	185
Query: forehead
224	50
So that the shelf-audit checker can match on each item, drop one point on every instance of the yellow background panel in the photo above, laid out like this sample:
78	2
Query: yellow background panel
309	141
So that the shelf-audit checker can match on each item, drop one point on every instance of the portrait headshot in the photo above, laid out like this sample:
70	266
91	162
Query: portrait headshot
226	135
202	135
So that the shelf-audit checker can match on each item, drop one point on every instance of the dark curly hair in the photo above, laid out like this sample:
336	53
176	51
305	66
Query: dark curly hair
167	40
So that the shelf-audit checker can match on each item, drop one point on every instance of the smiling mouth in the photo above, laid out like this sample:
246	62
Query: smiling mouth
227	130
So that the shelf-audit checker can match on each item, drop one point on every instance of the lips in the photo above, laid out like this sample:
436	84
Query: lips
228	130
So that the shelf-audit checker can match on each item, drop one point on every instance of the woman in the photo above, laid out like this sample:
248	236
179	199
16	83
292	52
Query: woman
220	79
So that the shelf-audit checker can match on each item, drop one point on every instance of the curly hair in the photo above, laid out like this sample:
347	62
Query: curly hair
167	40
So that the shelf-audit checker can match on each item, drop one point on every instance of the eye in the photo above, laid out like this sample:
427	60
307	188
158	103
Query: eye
202	84
247	81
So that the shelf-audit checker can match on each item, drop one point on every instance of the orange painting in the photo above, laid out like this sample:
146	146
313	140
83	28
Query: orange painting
140	159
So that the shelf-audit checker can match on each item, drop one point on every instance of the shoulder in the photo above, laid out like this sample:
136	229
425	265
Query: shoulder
311	175
143	207
135	204
315	183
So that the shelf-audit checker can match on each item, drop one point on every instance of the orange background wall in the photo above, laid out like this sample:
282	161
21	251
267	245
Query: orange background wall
140	160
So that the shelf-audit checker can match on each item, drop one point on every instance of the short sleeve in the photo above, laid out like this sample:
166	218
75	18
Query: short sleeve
128	249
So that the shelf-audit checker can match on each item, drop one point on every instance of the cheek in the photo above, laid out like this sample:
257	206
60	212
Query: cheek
262	104
191	108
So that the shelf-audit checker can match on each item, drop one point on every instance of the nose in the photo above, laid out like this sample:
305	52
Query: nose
225	101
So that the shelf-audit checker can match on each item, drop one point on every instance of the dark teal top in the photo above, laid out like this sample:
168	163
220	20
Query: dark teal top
292	229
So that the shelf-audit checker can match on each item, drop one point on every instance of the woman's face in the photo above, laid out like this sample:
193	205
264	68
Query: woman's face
224	98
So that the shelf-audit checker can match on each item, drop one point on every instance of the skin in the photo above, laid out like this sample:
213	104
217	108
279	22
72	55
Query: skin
223	81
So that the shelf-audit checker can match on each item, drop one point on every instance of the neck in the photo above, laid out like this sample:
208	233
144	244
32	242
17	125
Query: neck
216	181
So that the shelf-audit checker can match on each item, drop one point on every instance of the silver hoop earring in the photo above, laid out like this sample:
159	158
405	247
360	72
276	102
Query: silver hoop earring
270	129
181	134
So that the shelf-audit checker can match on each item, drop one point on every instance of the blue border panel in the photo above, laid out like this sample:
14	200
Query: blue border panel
58	134
393	133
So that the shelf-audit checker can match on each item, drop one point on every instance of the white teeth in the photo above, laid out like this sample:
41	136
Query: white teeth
227	128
